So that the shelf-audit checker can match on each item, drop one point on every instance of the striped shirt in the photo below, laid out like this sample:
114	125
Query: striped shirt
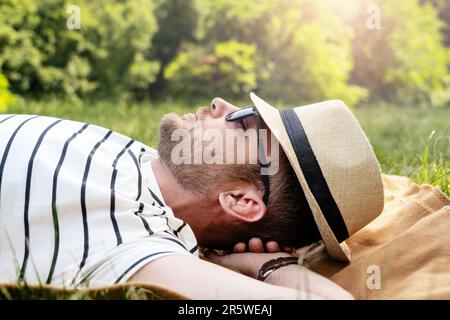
79	205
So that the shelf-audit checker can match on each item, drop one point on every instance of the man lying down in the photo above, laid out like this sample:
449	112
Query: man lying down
83	206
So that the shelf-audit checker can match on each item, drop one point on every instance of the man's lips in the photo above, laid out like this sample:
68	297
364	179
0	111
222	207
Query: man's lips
201	113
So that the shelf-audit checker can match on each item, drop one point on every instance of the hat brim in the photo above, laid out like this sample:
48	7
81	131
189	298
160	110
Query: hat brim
272	118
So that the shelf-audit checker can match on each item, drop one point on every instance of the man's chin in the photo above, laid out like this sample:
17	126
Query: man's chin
175	121
172	120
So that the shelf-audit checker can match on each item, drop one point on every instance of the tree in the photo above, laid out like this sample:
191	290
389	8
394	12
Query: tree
228	69
304	49
5	96
443	9
405	61
107	55
177	21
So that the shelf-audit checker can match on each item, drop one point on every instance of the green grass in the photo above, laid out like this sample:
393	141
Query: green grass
114	292
409	141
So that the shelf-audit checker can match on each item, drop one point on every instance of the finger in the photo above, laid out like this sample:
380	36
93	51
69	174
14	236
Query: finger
288	249
255	245
240	247
272	247
213	256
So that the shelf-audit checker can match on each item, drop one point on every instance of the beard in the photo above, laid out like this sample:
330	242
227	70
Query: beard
170	123
197	178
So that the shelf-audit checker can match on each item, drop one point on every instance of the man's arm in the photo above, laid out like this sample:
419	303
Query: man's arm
199	279
292	276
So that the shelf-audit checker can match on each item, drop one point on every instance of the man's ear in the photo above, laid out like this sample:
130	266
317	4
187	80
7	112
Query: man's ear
244	204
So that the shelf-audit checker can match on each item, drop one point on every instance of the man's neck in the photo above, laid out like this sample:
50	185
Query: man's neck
182	202
196	210
173	193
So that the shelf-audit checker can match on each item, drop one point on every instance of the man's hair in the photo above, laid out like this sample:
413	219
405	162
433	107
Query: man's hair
288	220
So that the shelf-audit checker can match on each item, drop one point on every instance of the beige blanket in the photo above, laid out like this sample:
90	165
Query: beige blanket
404	253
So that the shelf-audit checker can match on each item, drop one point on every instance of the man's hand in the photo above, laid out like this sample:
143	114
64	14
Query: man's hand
293	276
256	245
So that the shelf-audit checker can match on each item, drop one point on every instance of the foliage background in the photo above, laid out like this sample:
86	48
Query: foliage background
292	51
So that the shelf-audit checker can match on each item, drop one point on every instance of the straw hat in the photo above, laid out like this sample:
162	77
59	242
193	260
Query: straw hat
335	165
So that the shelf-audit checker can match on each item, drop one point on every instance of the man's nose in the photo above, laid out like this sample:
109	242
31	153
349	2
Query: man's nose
220	108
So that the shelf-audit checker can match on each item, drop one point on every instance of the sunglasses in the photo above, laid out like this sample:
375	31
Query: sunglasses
239	116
